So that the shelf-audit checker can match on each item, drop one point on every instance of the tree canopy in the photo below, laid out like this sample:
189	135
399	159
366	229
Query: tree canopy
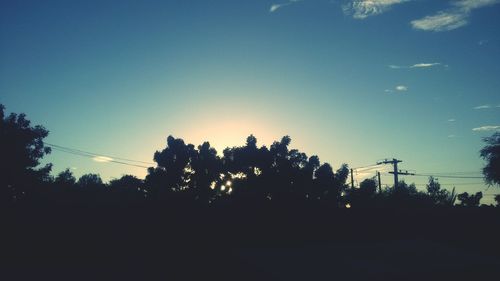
491	154
21	149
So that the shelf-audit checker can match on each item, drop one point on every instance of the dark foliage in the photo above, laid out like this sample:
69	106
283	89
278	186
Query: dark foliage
21	148
472	200
491	154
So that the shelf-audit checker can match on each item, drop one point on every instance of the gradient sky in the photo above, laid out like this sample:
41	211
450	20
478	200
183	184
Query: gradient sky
351	81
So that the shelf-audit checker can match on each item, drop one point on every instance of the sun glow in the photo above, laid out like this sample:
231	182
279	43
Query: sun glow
231	130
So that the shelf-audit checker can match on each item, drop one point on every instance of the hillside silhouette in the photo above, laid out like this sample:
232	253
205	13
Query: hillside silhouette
237	215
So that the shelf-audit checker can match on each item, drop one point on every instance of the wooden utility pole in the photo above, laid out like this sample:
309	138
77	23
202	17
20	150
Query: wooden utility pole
401	172
352	179
396	172
379	182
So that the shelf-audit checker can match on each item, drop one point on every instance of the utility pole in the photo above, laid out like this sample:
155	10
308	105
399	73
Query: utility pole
394	163
401	172
379	183
352	179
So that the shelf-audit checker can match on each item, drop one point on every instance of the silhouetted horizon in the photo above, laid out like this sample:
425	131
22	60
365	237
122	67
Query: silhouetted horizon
249	139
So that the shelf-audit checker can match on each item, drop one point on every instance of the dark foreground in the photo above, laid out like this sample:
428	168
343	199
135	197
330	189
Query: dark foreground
249	244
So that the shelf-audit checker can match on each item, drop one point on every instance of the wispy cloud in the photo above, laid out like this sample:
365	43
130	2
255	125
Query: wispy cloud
275	7
451	136
451	120
425	65
395	66
102	159
486	106
401	88
486	128
361	9
417	65
474	4
443	21
454	17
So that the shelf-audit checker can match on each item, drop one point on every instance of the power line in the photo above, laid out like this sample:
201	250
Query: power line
443	176
448	176
459	183
366	167
68	149
453	173
92	156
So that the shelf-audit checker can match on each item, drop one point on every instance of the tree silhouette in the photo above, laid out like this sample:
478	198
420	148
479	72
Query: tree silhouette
126	190
324	181
244	175
207	167
491	154
91	190
363	196
126	182
21	148
173	170
472	200
63	189
65	179
441	197
89	181
249	170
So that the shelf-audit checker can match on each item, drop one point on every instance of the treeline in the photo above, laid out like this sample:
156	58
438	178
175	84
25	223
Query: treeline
187	175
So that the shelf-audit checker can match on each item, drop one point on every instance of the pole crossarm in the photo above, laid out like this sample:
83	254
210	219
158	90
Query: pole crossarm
404	173
396	172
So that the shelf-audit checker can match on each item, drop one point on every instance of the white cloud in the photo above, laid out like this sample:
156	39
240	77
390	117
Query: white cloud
451	136
451	120
395	66
443	21
417	65
486	106
102	159
275	7
486	128
401	88
424	65
452	18
361	9
474	4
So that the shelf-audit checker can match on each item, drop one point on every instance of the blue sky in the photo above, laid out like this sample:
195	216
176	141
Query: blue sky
350	81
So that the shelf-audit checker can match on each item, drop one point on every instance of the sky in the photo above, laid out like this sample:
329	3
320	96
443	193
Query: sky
350	81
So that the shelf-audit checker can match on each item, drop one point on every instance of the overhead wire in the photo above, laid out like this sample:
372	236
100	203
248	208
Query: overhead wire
447	176
84	154
96	154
